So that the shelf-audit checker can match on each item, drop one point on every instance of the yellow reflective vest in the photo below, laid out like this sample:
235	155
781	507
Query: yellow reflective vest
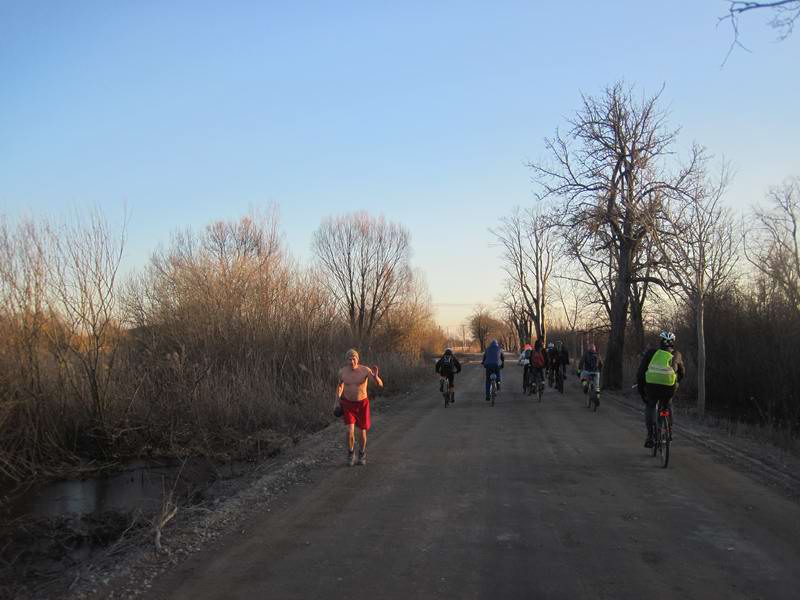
660	370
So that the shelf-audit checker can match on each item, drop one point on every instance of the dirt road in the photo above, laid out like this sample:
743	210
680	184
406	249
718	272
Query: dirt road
520	500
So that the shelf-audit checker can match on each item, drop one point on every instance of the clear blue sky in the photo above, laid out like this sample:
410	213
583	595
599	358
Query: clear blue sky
425	112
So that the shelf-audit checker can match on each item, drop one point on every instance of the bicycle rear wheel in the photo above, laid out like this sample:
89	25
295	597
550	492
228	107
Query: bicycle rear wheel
494	391
663	439
560	382
654	437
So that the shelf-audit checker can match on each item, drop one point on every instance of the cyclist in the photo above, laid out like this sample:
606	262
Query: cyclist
657	379
563	359
551	357
525	361
447	366
589	368
492	361
537	362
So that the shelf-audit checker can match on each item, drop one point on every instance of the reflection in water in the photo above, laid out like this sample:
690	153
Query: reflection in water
140	486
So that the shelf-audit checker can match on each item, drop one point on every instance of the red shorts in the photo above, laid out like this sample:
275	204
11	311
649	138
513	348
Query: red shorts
356	412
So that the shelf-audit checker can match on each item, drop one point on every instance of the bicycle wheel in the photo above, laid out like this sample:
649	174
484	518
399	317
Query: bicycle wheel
663	436
494	391
655	440
446	399
589	398
560	382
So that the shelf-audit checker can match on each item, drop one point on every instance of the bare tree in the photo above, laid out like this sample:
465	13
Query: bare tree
480	322
516	313
84	265
573	300
528	260
700	253
773	243
365	263
610	175
784	14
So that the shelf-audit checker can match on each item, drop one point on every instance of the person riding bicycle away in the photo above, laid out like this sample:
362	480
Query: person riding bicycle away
492	361
525	354
537	363
447	366
525	361
563	359
657	379
551	357
589	368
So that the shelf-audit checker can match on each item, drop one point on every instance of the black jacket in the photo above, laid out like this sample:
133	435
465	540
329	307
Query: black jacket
456	364
676	362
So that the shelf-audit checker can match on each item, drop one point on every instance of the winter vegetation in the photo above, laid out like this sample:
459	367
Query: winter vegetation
218	345
631	234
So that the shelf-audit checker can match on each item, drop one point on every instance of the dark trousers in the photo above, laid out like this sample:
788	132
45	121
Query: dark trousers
489	371
653	394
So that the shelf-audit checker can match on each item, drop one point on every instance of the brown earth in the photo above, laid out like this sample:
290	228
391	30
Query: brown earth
519	500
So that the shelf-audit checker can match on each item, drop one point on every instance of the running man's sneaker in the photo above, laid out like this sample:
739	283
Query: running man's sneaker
351	457
362	457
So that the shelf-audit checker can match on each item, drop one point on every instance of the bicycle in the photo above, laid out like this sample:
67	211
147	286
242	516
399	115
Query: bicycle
560	380
447	391
538	383
593	396
493	387
526	379
550	377
662	435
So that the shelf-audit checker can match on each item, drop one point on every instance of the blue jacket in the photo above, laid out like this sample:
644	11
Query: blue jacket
493	357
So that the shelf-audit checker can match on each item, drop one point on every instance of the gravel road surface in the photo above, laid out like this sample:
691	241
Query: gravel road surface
519	500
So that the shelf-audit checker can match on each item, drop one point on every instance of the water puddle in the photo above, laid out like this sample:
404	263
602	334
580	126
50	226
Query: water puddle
141	485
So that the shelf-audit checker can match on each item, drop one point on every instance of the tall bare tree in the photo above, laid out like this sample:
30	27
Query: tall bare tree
610	174
773	243
528	260
365	264
700	252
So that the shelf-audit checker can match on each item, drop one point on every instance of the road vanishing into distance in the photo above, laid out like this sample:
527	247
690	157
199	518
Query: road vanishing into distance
519	500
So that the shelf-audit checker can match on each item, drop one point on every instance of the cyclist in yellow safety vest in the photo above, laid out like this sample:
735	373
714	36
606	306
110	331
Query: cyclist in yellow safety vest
659	374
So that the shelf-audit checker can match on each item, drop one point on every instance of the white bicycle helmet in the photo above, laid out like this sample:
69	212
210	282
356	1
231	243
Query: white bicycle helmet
667	338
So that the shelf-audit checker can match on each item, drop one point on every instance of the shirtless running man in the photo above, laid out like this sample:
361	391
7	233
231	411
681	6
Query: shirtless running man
352	396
